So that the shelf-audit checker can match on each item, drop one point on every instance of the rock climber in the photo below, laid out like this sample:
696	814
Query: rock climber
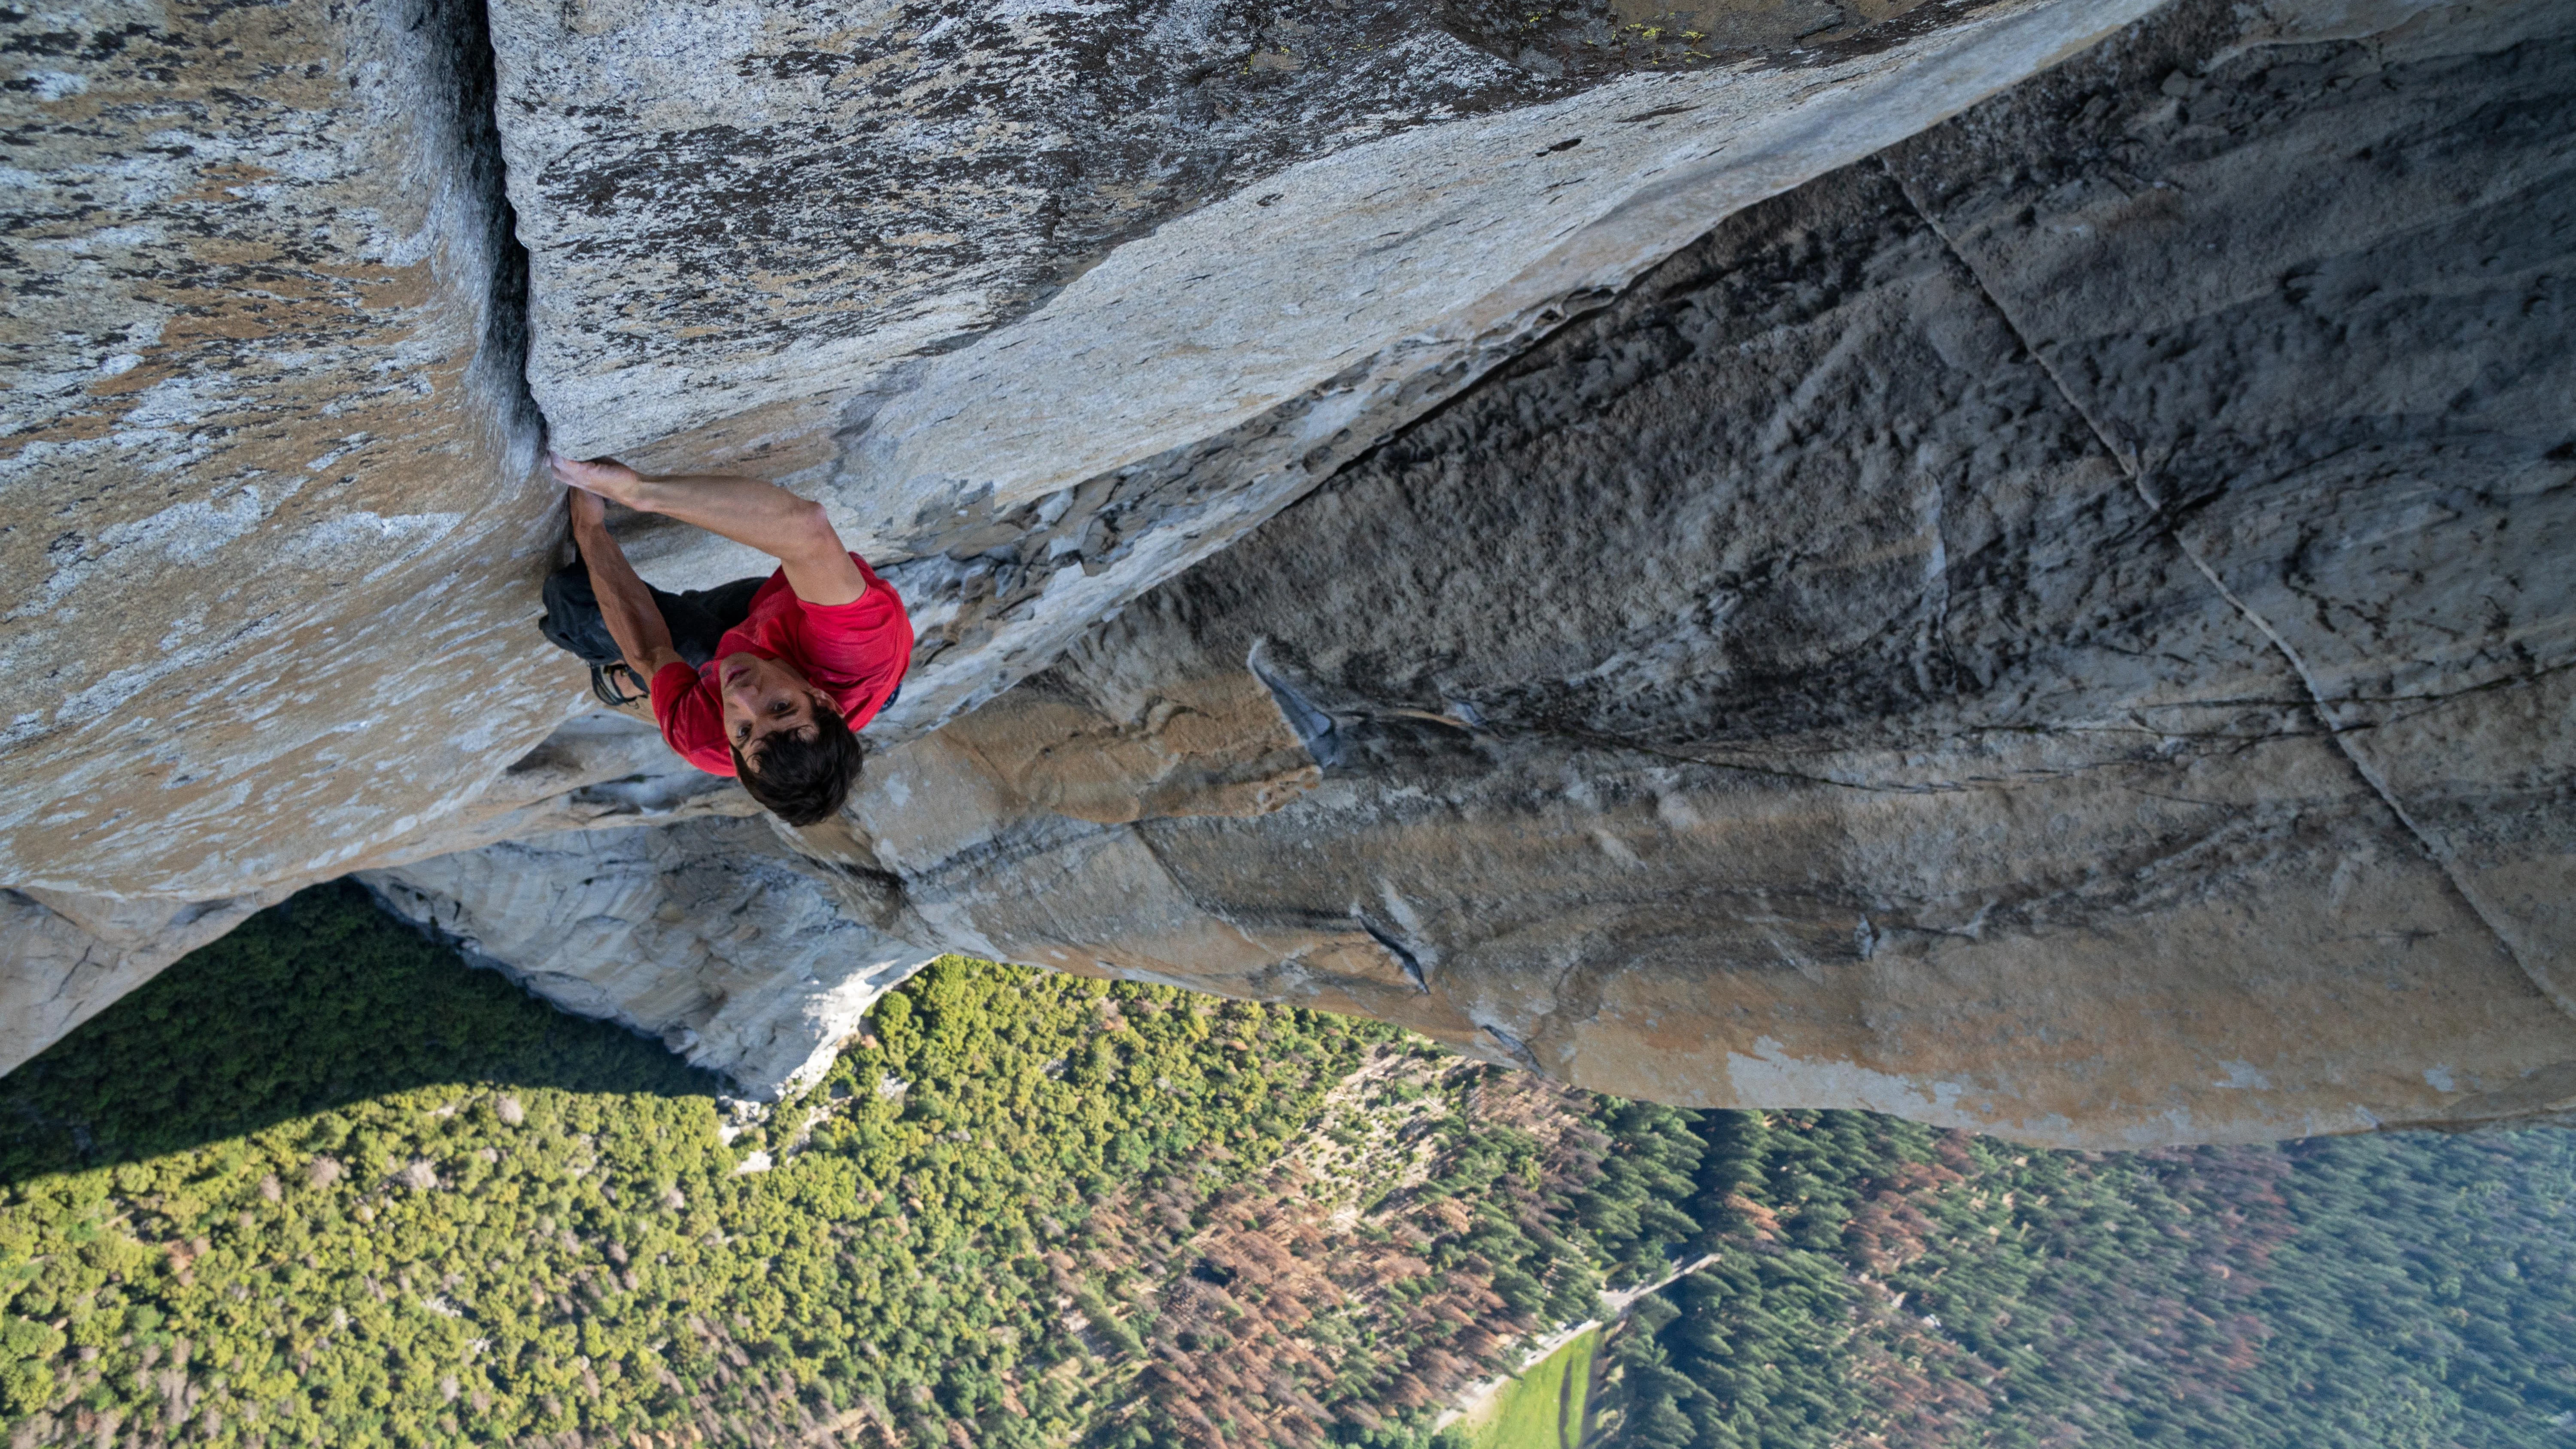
769	679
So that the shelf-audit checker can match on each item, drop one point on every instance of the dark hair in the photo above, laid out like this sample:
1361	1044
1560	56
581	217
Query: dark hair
802	781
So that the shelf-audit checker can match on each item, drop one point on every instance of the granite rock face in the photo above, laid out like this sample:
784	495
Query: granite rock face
68	955
743	217
264	529
2050	629
2050	617
271	533
740	953
2061	629
1199	285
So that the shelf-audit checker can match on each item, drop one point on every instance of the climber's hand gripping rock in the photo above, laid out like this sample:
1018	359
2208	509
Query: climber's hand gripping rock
804	658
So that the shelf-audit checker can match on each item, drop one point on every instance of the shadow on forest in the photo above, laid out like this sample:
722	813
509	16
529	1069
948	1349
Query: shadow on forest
314	1003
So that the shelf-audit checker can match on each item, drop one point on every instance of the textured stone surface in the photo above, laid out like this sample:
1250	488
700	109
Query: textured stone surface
1816	679
740	216
2056	625
1974	638
269	530
2358	428
1024	477
741	954
262	518
68	956
265	351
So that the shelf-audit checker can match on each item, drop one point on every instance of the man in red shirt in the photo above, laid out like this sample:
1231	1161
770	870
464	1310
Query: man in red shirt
775	699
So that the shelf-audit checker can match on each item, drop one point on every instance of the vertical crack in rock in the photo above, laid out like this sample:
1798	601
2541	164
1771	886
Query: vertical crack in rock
267	452
463	80
2440	852
2316	701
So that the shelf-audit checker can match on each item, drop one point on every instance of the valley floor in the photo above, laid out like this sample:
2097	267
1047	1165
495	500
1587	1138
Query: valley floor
320	1184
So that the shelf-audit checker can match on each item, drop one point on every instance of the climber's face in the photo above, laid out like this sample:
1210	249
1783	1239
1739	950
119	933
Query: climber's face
763	697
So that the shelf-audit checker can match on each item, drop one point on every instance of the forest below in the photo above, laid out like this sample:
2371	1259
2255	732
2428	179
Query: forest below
321	1184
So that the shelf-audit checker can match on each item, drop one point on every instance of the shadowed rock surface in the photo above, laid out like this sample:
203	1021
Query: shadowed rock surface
270	352
2056	625
732	948
1972	638
272	531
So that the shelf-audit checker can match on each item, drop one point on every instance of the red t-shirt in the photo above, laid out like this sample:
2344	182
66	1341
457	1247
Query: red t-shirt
853	652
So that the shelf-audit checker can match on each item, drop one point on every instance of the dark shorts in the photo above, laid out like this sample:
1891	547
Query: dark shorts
697	618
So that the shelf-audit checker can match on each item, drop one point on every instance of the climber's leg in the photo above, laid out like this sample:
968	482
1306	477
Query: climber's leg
574	624
572	620
723	607
697	618
700	617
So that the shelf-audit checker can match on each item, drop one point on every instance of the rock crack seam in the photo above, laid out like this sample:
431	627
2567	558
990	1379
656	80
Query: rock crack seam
2317	702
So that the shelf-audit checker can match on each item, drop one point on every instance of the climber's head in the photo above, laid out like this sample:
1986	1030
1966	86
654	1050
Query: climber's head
791	748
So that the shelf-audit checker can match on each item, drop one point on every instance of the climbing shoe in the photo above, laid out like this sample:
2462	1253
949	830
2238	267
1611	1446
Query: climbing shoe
606	682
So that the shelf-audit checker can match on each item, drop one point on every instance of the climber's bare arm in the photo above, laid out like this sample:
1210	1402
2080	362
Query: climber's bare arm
627	607
792	530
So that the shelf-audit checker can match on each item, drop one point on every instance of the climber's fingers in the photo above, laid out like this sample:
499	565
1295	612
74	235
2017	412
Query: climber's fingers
605	477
